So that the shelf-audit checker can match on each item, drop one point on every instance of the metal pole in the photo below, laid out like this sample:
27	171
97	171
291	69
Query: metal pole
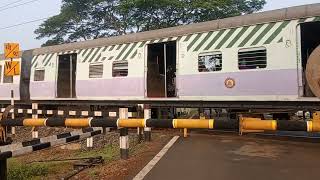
13	129
165	69
3	169
71	69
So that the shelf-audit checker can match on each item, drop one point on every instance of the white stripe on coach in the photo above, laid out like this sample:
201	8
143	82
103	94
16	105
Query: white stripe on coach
84	113
97	113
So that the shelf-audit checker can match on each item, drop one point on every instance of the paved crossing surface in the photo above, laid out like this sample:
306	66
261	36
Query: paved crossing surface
228	157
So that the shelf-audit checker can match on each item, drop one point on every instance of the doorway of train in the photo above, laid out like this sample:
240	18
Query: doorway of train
66	76
309	44
161	70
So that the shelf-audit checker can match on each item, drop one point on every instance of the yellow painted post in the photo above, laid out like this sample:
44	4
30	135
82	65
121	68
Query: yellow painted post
185	132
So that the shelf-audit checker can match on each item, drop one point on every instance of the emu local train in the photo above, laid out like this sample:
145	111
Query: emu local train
263	57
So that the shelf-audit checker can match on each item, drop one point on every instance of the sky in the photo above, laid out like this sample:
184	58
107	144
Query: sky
38	9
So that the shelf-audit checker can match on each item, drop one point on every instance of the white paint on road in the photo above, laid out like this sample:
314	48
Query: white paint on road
155	160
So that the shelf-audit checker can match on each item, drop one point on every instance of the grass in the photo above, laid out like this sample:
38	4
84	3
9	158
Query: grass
108	153
18	171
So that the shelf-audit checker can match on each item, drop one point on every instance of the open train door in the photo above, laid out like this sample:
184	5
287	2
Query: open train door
309	66
66	76
161	70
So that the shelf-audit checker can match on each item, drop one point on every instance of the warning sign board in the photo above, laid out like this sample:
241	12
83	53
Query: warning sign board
12	68
11	50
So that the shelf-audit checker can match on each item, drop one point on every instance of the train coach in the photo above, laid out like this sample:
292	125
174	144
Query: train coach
268	58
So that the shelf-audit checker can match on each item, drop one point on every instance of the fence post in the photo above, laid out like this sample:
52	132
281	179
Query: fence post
3	169
139	129
90	142
124	138
35	133
147	130
139	134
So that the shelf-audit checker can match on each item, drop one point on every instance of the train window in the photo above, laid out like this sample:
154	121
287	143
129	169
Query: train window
120	68
210	62
39	75
255	58
95	70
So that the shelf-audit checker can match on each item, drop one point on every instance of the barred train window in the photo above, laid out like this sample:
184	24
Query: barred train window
210	62
39	75
252	58
95	70
120	68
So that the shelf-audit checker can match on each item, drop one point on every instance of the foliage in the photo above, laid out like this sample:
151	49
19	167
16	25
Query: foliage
91	19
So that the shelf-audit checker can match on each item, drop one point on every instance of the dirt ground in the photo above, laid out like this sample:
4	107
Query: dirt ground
49	164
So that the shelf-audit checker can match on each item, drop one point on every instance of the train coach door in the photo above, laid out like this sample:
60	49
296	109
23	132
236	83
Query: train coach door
308	44
161	70
66	76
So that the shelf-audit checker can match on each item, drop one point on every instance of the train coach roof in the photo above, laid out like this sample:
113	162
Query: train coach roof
245	20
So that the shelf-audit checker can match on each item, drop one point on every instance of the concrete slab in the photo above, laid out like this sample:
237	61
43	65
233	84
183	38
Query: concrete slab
226	157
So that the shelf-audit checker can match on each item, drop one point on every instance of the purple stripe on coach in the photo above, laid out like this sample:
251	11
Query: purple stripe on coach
111	87
248	83
5	91
42	89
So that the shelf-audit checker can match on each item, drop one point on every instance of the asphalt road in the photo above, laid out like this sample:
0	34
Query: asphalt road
225	157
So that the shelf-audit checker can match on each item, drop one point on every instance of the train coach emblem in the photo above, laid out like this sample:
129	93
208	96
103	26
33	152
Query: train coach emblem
230	83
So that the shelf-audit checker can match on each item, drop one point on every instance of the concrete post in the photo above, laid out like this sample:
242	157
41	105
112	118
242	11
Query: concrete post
139	129
147	130
3	169
124	138
139	134
35	133
90	142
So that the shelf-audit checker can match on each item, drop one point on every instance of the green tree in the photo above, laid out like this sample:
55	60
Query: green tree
91	19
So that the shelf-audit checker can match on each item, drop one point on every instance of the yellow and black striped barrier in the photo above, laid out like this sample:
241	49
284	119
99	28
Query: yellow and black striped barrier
246	124
123	123
256	124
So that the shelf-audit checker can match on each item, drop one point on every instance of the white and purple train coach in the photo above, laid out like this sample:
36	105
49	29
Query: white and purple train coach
263	57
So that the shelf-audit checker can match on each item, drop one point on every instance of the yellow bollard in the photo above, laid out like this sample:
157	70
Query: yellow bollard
77	122
258	124
193	123
314	126
34	122
131	123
